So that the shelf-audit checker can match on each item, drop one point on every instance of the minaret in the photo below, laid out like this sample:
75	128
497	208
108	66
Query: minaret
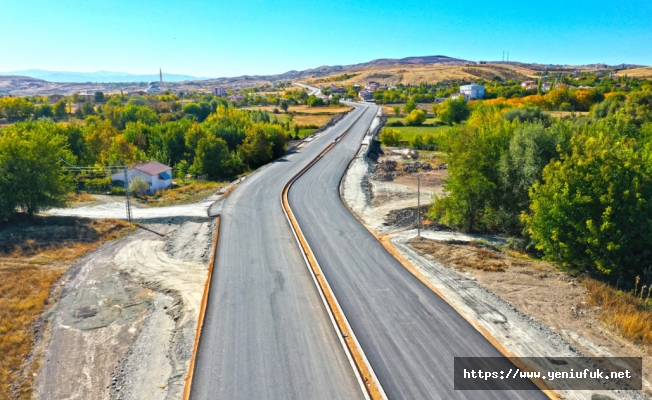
160	75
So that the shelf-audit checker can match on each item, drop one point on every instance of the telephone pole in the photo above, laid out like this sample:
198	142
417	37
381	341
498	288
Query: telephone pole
127	201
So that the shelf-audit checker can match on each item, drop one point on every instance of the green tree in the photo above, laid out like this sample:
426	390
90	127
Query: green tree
415	118
409	106
88	109
256	149
33	176
390	137
454	111
98	97
284	106
60	110
593	208
211	157
44	111
397	111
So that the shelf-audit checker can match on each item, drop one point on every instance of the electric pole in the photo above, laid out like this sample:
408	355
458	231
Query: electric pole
127	202
419	206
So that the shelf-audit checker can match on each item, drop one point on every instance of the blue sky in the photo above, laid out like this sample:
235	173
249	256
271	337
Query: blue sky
228	38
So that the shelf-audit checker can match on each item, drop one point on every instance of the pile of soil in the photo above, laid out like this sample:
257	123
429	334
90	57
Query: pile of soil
385	171
416	167
406	218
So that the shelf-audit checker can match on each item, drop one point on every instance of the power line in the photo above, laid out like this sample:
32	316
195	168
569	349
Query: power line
110	169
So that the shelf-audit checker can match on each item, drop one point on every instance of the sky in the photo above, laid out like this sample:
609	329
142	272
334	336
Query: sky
243	37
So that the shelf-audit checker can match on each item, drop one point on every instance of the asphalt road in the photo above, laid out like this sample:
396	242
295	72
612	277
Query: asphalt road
266	333
408	333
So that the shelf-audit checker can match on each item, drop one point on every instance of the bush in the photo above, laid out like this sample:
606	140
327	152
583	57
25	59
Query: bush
395	123
138	185
390	137
118	191
527	113
97	185
415	118
565	107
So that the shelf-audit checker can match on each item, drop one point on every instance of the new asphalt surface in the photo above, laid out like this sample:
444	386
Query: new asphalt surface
408	333
266	333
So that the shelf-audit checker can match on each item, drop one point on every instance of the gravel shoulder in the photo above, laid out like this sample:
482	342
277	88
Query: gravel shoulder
528	313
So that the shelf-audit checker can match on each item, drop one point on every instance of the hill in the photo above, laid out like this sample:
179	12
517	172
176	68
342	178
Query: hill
643	72
418	73
96	77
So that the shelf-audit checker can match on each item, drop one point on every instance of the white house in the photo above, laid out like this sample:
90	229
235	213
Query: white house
472	91
159	176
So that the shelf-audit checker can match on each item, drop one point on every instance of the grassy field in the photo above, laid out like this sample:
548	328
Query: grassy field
305	132
190	192
408	133
33	256
305	120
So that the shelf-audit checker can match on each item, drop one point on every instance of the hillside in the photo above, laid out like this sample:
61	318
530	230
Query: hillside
643	72
418	73
98	76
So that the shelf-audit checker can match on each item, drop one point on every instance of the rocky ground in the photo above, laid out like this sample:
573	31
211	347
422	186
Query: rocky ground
529	307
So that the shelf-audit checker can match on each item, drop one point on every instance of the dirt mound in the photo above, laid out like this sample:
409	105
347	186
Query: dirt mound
385	171
416	167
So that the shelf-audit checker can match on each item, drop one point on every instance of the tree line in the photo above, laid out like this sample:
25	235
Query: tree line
34	153
579	190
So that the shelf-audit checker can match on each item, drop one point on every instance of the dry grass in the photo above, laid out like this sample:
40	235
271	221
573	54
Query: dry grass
622	312
191	192
643	72
415	74
81	197
305	109
305	120
33	256
462	256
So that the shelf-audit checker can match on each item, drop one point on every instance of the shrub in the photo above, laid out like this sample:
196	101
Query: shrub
390	137
138	185
415	118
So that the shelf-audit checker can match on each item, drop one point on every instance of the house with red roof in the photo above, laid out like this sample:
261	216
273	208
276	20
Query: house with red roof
159	176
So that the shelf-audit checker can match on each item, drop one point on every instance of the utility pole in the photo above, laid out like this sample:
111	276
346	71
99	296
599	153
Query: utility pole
419	206
127	202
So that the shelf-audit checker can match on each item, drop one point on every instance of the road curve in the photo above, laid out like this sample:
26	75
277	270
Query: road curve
267	334
408	333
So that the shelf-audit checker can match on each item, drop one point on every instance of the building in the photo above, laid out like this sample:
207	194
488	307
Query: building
366	95
527	83
159	176
338	90
219	91
236	97
371	86
154	87
55	98
472	91
456	96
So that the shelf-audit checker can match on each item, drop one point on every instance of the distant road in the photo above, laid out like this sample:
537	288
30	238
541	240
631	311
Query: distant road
313	90
408	333
266	333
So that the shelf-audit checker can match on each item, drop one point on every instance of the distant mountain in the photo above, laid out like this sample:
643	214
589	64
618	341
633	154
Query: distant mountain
98	77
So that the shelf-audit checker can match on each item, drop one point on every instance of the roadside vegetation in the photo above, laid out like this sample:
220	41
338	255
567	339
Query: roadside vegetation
187	192
34	253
